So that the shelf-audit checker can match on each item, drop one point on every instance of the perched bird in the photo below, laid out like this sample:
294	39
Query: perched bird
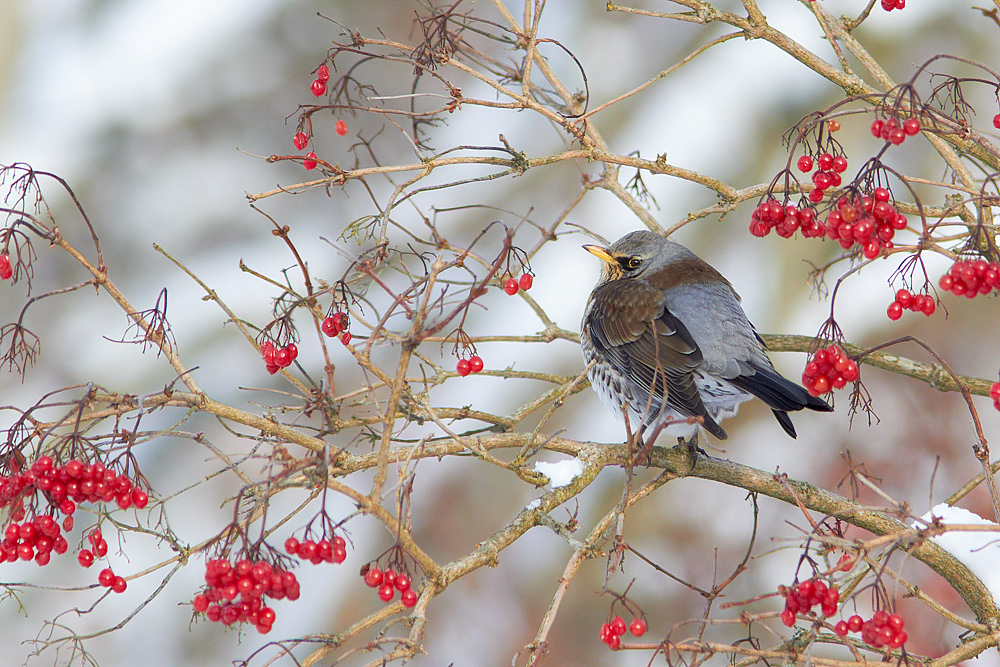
669	340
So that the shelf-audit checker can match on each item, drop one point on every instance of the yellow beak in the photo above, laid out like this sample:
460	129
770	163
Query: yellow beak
602	253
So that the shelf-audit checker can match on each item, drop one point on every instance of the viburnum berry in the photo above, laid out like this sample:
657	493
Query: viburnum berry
996	121
106	577
292	546
300	141
805	164
119	585
911	126
877	128
526	281
825	162
310	161
637	628
971	277
5	270
828	369
511	287
840	629
373	577
896	136
323	73
408	598
318	87
995	394
839	164
463	367
475	363
345	338
386	592
341	127
618	625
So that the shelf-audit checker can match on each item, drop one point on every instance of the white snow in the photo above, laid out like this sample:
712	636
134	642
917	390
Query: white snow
980	552
560	473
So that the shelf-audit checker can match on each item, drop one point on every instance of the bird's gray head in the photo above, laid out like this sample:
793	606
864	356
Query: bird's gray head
637	255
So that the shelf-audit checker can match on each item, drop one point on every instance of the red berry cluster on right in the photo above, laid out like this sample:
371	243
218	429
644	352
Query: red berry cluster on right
330	551
891	131
828	369
5	270
889	5
995	394
235	592
919	303
971	277
785	220
318	86
611	632
278	357
829	167
881	630
337	324
868	221
802	598
389	581
512	286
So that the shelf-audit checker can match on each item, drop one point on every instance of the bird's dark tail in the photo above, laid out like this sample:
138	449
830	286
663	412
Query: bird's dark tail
781	395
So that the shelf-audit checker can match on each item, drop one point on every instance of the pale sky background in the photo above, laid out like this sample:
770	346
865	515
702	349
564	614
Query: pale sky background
153	110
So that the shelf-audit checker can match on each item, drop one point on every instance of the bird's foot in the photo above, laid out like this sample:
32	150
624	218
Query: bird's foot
642	453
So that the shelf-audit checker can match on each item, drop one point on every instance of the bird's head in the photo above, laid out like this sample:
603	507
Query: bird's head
634	255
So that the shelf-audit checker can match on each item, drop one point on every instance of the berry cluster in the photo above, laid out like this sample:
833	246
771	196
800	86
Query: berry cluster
827	174
919	303
235	592
882	629
995	394
473	364
300	140
971	277
868	221
785	220
278	357
330	551
337	325
69	484
890	131
98	548
35	539
5	270
318	86
829	369
802	598
512	286
387	582
889	5
108	579
611	633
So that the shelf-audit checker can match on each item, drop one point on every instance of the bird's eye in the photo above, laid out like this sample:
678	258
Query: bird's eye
633	263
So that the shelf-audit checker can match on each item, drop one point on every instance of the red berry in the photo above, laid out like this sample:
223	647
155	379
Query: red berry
854	623
323	73
293	351
309	163
106	577
526	281
292	545
840	164
373	577
895	311
840	629
140	498
805	164
318	87
200	603
340	128
816	195
328	327
896	136
408	598
614	641
85	558
995	390
877	128
282	358
385	592
911	126
618	625
825	162
5	270
475	363
345	338
119	585
511	286
788	618
996	121
895	621
637	628
300	141
402	583
463	367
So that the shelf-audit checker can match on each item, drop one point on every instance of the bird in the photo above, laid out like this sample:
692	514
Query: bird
666	339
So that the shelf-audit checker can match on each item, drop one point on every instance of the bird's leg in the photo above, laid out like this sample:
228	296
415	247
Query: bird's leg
643	450
693	449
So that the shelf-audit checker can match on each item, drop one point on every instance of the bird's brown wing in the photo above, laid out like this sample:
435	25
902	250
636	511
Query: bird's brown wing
628	321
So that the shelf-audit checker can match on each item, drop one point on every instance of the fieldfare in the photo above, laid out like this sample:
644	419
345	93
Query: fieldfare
669	341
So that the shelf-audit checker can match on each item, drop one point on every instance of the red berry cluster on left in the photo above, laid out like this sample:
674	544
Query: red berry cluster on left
971	277
473	364
891	131
612	631
235	592
330	551
318	86
883	629
278	357
889	5
995	394
828	170
5	270
829	369
802	598
389	581
337	325
35	539
918	303
512	286
785	220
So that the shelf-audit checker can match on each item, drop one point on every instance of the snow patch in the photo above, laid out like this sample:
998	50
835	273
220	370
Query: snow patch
560	473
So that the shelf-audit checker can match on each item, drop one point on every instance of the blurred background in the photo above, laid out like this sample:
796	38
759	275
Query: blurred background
157	113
